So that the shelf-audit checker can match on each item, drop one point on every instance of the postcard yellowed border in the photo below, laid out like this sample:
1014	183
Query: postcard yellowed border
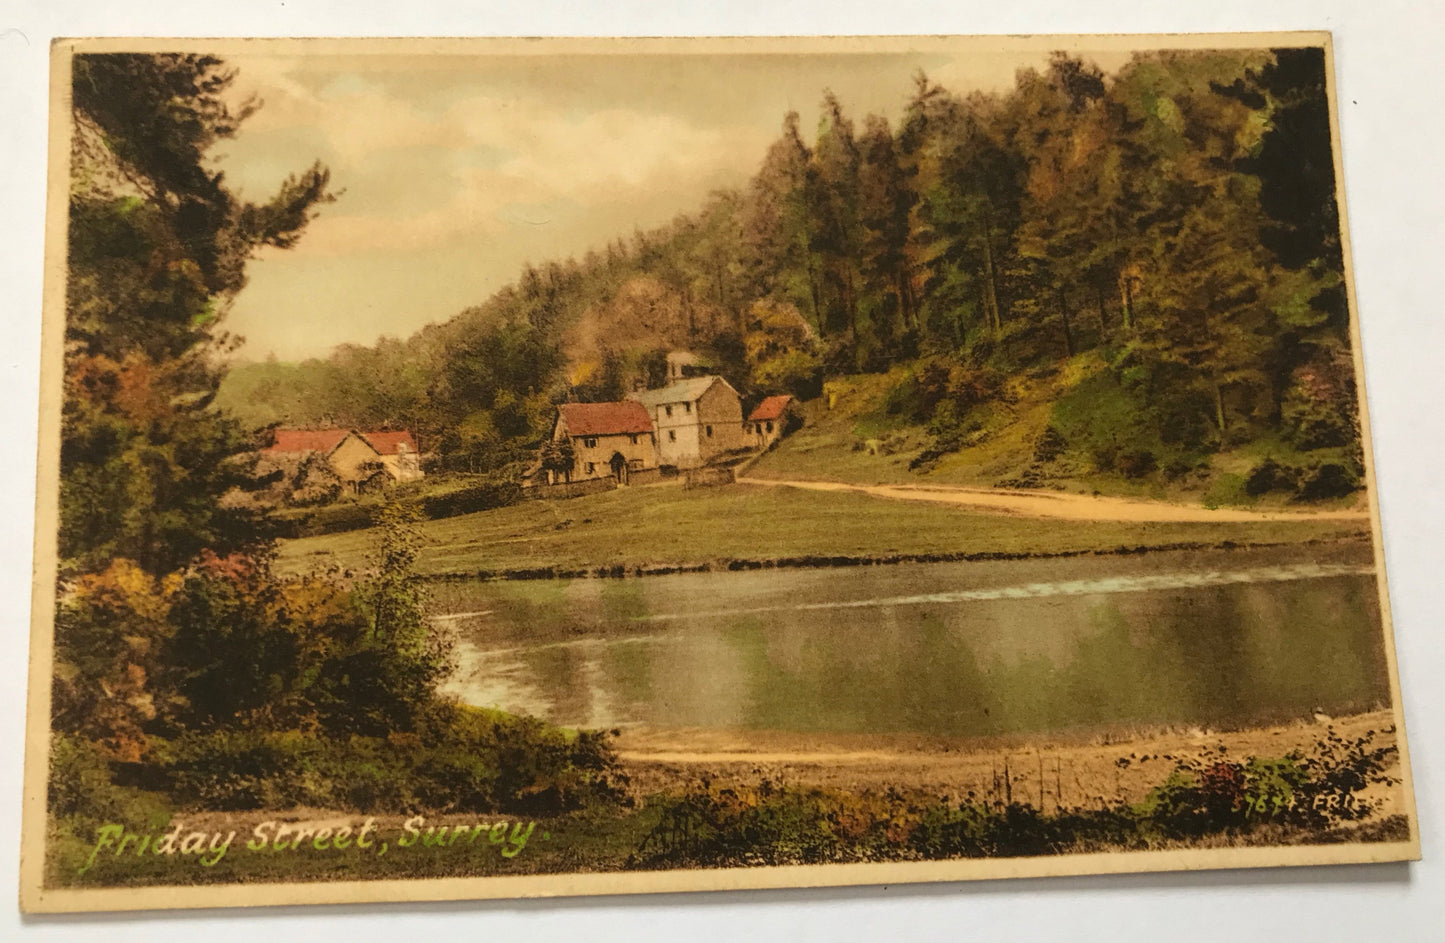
35	898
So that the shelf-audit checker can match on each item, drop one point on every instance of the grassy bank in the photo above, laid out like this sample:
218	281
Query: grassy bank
855	433
669	526
1252	788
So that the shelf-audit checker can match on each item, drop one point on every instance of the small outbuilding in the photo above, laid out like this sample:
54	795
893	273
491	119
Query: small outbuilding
399	455
768	421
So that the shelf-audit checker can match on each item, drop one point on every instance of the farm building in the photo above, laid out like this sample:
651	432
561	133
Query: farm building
765	424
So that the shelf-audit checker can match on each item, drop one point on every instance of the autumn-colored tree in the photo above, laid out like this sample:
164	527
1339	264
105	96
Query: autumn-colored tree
157	248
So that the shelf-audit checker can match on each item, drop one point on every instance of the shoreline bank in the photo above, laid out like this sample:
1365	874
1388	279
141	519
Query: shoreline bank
1052	771
829	561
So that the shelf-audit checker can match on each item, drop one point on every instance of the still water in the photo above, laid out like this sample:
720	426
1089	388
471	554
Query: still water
954	649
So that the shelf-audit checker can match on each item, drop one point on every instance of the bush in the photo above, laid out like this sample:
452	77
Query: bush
1227	489
1319	418
1270	475
1208	795
1049	446
1181	465
466	761
316	522
797	372
1328	480
1136	463
469	500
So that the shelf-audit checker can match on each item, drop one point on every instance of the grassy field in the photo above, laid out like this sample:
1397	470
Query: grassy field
668	525
847	436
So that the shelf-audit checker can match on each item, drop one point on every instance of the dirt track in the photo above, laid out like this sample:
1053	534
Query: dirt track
1063	506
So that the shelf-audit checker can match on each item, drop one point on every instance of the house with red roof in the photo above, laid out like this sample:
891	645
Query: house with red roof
765	424
400	456
606	439
362	460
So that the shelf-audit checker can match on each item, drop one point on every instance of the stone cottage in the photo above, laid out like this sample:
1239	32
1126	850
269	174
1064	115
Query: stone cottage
608	440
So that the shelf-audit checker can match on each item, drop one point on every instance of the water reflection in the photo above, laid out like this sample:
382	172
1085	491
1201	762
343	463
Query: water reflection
948	649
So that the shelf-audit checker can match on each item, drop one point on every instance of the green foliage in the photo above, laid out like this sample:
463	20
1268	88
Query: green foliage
1228	490
157	248
468	761
185	669
1318	790
1203	796
1112	422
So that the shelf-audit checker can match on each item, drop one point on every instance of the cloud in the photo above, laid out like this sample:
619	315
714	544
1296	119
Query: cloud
490	160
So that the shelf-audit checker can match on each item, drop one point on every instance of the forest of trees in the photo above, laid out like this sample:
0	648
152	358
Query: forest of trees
1176	221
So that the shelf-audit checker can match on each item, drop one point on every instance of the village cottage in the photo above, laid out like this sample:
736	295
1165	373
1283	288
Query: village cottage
361	461
765	423
607	439
399	455
696	420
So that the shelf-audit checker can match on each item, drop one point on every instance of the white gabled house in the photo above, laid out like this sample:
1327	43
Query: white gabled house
695	420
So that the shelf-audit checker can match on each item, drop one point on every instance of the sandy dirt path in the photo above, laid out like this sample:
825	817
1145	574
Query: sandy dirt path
1063	506
1060	771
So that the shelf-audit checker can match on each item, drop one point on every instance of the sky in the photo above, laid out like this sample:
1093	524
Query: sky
457	170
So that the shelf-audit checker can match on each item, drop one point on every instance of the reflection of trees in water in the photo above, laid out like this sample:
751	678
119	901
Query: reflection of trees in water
1243	654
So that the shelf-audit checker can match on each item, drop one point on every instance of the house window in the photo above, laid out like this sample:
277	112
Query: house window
672	435
687	407
590	443
591	467
770	427
633	437
668	409
709	432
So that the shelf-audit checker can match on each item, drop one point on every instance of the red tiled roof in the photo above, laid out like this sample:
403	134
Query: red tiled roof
386	442
605	418
307	440
770	408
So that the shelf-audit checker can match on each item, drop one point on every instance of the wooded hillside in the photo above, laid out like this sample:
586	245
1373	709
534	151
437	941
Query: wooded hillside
1171	230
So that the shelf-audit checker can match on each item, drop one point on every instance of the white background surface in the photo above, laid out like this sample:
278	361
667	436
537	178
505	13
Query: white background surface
1392	109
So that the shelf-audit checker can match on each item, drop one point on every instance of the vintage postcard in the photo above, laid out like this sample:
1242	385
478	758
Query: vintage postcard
506	468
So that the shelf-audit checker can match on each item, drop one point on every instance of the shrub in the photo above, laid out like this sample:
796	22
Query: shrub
464	761
1182	465
1317	413
327	519
1049	445
1328	480
1208	795
1270	475
1136	463
469	500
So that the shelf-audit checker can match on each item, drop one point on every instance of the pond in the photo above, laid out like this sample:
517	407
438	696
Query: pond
1219	639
